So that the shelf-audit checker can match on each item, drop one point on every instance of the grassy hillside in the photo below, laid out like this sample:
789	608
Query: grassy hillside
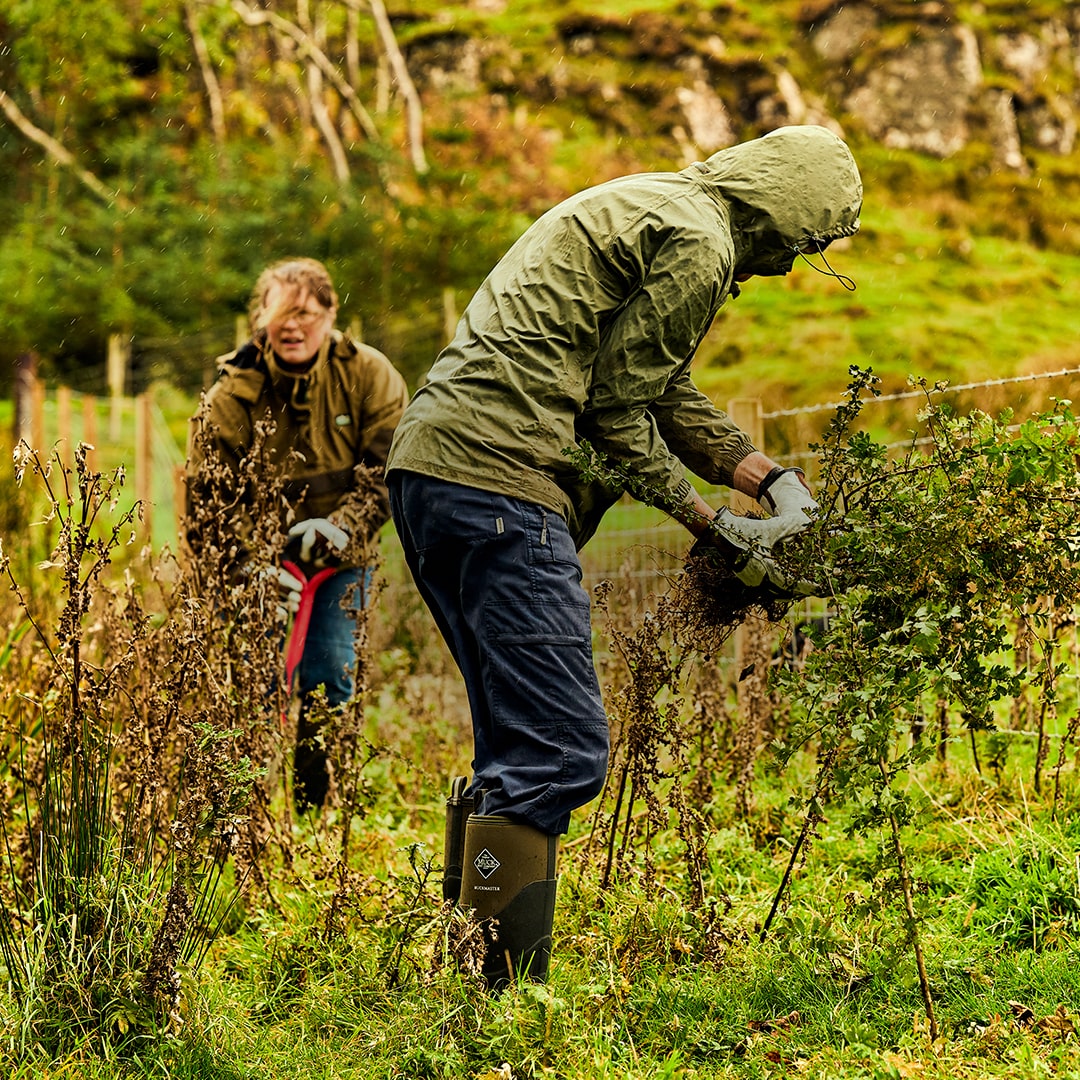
936	304
963	266
965	272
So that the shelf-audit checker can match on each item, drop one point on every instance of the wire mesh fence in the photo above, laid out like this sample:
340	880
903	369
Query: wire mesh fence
636	546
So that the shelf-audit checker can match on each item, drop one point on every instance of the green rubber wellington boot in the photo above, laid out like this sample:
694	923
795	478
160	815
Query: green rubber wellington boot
458	808
508	880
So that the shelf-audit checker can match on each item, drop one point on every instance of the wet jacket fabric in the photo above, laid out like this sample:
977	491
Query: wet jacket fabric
585	330
340	414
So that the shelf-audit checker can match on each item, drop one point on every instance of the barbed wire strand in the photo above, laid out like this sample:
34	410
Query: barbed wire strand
937	388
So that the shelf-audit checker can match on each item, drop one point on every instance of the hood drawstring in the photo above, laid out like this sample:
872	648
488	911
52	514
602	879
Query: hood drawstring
844	280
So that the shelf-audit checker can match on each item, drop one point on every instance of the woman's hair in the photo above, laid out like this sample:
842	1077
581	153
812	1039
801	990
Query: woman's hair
304	275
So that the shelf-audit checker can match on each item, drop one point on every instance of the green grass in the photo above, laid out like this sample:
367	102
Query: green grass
993	309
642	986
645	983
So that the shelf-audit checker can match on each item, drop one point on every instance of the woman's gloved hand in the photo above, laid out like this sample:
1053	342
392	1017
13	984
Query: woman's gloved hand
321	541
289	589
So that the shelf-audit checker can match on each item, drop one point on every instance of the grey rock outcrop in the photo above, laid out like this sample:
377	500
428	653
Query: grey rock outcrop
919	98
936	84
909	73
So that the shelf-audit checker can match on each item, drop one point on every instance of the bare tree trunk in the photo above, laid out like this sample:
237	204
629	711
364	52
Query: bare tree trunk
414	110
295	83
255	17
352	46
209	77
383	85
59	153
321	114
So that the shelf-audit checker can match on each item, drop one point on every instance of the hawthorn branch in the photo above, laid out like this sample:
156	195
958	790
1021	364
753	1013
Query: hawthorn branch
58	152
911	920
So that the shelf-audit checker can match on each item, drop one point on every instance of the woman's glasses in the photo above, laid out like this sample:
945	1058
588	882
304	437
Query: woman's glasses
303	316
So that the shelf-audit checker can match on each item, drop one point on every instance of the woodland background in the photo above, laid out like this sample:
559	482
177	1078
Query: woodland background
155	154
854	860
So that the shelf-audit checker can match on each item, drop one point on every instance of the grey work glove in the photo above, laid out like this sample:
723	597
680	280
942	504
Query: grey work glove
744	545
321	541
289	588
786	496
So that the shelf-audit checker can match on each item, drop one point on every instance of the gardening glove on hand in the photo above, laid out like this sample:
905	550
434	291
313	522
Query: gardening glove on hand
289	588
786	496
744	546
321	541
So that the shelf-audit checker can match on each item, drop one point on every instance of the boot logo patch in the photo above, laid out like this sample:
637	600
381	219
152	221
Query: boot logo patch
486	864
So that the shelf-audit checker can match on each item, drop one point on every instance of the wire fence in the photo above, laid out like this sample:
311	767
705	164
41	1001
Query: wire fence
638	547
921	394
645	551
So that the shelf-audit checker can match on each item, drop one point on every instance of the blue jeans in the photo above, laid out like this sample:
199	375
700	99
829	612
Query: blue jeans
330	649
328	660
503	582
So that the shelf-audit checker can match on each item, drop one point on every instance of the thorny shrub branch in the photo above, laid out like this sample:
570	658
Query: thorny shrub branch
926	562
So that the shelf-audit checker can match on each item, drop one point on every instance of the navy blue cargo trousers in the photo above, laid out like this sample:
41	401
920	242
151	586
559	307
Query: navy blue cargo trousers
503	582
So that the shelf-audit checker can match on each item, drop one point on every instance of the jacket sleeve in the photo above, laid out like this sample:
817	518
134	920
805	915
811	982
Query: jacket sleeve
382	400
643	411
703	437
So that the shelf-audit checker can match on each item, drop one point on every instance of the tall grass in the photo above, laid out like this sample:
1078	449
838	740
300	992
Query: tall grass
753	891
120	803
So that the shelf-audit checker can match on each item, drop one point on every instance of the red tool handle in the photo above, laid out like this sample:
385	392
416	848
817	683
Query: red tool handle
294	650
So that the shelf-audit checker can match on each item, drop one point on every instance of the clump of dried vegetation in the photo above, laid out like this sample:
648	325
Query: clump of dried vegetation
144	804
143	790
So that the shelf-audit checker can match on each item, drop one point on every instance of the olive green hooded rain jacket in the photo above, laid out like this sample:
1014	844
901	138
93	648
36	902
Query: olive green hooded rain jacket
586	328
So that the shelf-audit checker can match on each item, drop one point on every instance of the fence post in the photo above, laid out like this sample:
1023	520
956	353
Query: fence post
65	448
89	430
37	415
144	460
23	393
117	362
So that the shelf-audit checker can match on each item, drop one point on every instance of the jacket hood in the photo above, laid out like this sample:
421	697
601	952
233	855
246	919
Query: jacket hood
794	189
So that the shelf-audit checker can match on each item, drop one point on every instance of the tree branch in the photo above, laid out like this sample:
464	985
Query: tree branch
325	124
210	81
254	17
413	107
59	153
